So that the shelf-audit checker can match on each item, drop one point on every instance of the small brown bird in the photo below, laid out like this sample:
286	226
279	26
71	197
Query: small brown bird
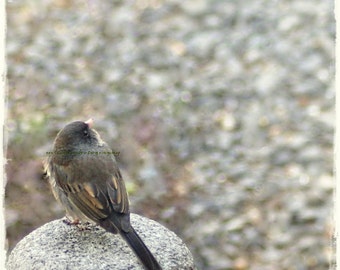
86	180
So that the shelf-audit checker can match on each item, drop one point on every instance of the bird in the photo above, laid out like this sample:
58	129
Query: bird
85	179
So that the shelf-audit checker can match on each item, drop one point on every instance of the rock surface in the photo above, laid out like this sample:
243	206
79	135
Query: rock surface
59	246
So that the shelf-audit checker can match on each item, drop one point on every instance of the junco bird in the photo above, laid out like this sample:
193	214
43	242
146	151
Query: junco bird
86	180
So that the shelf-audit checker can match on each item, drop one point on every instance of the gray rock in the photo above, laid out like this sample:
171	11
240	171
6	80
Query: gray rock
56	245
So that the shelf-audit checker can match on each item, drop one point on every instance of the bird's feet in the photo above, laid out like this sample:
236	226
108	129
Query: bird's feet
68	221
82	226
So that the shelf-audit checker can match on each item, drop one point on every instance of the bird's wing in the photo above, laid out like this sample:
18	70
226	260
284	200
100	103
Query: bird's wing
97	190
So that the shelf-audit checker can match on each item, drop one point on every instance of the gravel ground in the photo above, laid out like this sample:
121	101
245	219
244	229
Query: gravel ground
223	112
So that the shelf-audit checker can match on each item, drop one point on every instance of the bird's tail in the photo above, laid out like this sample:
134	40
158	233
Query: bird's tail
122	225
141	250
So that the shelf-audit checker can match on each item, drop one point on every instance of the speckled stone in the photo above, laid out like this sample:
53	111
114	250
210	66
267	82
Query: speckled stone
56	245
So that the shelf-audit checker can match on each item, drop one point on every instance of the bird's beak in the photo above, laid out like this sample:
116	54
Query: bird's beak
89	122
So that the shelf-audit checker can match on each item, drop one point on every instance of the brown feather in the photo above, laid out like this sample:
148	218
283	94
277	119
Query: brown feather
90	189
114	181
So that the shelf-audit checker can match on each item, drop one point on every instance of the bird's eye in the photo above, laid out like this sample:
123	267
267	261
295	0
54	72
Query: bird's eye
86	133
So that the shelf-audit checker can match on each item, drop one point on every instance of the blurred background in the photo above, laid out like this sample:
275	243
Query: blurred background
222	111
